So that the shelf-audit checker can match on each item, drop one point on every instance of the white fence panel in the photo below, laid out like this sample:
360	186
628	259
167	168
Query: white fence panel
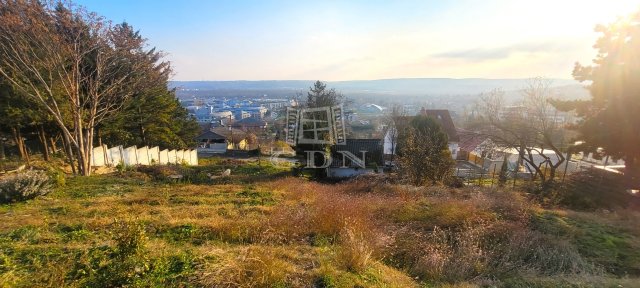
98	157
130	156
143	155
172	157
154	155
164	157
105	156
115	155
179	156
193	160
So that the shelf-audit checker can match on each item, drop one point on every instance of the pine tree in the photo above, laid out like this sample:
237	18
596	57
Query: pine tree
610	117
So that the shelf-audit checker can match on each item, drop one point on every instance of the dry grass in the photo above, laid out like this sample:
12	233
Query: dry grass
290	232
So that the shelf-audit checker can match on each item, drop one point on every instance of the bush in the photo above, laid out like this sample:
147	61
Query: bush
355	251
591	190
24	186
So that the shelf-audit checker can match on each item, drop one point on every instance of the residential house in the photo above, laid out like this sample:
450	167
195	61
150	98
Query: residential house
358	156
211	142
221	139
236	139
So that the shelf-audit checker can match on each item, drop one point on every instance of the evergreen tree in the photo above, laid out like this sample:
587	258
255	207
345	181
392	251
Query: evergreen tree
610	117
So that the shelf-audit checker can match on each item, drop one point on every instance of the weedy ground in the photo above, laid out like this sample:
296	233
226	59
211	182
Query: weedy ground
261	228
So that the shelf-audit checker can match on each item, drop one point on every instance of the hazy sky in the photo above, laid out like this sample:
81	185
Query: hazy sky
351	40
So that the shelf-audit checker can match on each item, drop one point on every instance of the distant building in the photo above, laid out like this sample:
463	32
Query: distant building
220	139
250	124
370	108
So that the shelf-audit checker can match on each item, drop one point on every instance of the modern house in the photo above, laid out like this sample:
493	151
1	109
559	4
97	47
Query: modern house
211	142
221	139
358	156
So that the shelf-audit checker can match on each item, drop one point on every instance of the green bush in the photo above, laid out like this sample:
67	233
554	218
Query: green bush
24	186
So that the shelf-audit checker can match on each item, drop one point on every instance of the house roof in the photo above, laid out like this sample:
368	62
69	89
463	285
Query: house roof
204	127
210	135
230	134
469	140
444	118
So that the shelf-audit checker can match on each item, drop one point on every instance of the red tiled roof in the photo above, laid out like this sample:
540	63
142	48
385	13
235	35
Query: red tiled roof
469	141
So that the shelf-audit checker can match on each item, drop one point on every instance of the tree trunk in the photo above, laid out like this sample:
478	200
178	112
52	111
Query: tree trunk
52	142
43	140
66	143
141	127
17	137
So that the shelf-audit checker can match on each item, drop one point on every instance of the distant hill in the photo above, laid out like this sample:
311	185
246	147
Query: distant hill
406	86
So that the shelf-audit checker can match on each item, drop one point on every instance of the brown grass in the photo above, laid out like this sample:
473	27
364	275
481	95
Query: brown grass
297	233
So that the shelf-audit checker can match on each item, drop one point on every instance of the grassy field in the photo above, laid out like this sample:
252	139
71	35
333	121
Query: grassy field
262	228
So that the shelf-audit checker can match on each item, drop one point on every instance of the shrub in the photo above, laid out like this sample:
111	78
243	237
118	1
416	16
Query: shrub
24	186
590	190
253	267
355	250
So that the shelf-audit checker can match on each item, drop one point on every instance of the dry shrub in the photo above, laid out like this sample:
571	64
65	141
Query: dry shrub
253	267
24	186
329	215
452	255
356	250
485	250
518	248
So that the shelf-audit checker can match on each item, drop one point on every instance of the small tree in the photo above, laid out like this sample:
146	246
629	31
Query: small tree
502	177
424	156
320	96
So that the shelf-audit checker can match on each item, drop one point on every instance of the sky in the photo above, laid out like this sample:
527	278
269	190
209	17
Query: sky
360	40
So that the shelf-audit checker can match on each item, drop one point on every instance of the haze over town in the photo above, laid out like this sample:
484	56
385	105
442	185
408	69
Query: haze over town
367	40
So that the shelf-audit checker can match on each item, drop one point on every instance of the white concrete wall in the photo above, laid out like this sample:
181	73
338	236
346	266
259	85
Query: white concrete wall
173	157
154	155
193	158
164	157
141	156
129	156
179	156
98	157
115	155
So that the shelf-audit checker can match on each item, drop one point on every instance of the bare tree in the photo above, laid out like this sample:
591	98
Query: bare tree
531	128
79	67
